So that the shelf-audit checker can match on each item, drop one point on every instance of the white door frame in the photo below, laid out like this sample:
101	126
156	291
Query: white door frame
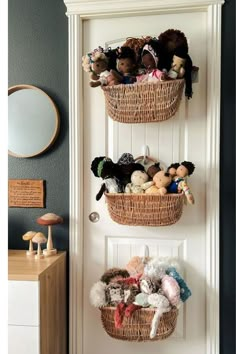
77	11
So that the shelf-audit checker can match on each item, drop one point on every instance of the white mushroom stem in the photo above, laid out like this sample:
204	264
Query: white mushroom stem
39	249
49	242
31	246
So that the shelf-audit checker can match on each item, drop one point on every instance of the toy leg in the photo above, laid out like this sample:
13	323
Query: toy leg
119	315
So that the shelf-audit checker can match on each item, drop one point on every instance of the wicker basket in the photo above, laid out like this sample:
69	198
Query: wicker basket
143	102
145	209
138	326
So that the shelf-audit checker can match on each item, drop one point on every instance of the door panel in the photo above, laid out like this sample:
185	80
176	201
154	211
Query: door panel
180	138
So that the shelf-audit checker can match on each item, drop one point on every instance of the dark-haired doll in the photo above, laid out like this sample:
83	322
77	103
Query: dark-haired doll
179	185
125	65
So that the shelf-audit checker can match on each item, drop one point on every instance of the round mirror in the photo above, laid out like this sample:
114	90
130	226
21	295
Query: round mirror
33	121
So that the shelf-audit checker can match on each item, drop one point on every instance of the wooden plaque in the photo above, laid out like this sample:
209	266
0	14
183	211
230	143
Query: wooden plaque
26	193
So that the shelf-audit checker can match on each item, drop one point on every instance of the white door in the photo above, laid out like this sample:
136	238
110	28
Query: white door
107	244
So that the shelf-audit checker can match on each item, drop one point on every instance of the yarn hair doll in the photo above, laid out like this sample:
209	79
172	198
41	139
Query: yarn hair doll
125	65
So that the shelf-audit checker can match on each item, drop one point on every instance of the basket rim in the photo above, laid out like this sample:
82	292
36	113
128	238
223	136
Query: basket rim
148	84
126	195
146	309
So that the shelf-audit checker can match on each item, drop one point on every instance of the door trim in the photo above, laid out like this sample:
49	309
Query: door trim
77	11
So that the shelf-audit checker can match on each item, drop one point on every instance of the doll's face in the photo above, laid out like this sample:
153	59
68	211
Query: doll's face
99	66
125	65
182	171
161	179
177	63
148	61
172	171
139	177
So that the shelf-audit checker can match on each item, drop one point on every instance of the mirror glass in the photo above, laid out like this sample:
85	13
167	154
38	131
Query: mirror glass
33	121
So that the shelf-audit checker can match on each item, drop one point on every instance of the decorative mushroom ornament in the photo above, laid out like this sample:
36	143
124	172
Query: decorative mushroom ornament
49	219
39	238
28	237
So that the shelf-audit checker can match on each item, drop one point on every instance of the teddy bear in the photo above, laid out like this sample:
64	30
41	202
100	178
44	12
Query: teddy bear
179	184
161	181
138	178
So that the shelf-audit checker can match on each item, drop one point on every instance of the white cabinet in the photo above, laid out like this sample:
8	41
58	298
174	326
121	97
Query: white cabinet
36	304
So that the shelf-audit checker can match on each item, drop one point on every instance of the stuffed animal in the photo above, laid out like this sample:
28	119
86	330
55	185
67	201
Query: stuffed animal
117	175
172	169
171	290
161	181
179	185
185	292
138	178
136	265
96	63
126	65
156	268
177	70
97	294
113	275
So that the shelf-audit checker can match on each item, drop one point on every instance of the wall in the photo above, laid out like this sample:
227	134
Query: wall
38	55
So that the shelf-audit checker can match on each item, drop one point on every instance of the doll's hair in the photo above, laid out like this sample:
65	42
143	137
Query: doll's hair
173	165
136	44
173	39
126	52
90	58
189	165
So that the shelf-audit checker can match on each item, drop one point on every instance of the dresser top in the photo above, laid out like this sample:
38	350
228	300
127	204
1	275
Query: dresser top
23	267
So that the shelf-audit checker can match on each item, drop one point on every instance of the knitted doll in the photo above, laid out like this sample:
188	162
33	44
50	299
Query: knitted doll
161	181
138	178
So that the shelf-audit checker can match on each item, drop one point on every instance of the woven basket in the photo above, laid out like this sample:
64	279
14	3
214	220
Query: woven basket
138	326
145	209
143	102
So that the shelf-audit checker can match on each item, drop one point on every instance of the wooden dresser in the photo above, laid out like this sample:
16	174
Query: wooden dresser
37	321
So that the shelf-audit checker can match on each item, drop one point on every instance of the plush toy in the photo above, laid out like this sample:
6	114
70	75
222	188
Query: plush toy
149	60
172	169
185	292
148	285
97	294
162	305
171	290
177	70
179	185
136	265
138	178
161	181
126	66
96	63
115	176
170	42
156	268
113	275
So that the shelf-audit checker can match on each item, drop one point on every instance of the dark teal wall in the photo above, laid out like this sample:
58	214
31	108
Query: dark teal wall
38	55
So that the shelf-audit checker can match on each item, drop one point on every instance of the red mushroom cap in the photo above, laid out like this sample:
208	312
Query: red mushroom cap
50	219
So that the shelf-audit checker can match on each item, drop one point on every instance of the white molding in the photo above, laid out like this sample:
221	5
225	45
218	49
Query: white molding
91	8
77	11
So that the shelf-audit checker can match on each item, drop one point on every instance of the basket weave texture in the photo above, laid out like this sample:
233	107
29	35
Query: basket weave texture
143	102
145	210
138	326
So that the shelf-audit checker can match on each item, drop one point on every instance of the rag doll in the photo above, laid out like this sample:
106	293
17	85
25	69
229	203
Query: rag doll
115	176
96	63
149	60
172	169
125	65
161	181
170	42
178	184
138	178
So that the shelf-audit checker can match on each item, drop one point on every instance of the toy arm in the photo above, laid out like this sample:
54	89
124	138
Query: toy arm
184	187
146	185
101	191
128	188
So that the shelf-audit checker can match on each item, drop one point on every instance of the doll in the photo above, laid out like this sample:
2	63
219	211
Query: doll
161	181
149	59
138	178
177	70
178	184
96	63
185	292
125	65
172	169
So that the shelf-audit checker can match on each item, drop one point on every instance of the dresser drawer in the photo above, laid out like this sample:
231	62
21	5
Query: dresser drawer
23	340
23	303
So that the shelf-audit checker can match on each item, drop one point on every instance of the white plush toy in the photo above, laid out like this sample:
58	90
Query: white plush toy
97	294
138	178
162	304
156	268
